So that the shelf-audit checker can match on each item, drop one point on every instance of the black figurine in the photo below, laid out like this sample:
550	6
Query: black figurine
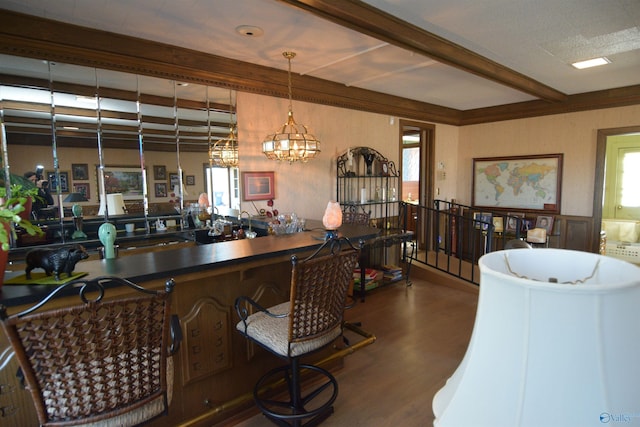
60	260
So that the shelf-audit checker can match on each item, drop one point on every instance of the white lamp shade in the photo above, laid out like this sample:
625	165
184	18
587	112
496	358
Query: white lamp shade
115	205
548	354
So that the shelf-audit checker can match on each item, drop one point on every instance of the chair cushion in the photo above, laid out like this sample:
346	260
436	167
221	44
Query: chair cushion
273	333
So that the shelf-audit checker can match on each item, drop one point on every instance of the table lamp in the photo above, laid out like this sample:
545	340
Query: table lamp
76	210
332	219
555	342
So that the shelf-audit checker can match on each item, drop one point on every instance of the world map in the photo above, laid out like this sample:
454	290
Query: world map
525	184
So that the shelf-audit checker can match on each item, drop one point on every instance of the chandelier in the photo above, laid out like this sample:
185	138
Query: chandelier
224	153
292	142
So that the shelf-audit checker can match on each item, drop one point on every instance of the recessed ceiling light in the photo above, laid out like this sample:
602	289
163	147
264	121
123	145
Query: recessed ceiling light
591	63
249	30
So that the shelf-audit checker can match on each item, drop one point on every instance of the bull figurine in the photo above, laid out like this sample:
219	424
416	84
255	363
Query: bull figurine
57	261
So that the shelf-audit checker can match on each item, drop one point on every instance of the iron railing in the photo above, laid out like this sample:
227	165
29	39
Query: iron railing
451	237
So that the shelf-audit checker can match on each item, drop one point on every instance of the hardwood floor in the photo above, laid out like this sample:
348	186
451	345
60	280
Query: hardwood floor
422	333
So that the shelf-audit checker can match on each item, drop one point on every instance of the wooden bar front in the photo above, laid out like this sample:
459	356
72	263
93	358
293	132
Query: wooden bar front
216	368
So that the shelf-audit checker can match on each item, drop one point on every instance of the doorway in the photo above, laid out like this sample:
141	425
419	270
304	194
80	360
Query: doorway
612	197
417	147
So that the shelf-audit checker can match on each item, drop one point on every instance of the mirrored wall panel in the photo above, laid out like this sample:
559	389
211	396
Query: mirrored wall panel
89	133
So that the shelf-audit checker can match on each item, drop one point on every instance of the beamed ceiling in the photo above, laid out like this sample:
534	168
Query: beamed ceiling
445	61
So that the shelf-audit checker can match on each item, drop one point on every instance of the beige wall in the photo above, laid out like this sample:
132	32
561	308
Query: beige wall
306	188
573	134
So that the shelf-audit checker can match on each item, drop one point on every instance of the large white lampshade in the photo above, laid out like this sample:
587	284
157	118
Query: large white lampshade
549	354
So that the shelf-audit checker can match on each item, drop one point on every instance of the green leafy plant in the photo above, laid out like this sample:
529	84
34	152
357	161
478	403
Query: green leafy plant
18	191
10	208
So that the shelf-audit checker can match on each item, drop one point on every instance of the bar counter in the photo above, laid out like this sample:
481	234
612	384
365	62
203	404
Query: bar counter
169	263
215	366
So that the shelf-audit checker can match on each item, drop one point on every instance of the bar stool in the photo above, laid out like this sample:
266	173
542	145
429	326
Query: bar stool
310	321
101	362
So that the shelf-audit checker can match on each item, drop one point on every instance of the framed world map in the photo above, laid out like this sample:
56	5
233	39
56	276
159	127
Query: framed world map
531	183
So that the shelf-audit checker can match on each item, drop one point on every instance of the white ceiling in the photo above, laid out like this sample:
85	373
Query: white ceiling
537	38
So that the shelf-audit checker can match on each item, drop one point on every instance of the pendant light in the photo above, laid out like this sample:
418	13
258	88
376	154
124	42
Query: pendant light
292	142
224	152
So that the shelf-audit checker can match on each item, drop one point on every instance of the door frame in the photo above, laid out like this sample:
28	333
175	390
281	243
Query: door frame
598	187
427	158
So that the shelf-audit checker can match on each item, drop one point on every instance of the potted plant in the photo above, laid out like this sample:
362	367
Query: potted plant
10	209
29	193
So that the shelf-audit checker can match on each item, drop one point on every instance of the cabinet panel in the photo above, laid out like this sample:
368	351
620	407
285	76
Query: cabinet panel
206	331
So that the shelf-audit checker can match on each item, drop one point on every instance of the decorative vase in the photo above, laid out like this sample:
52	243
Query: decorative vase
368	159
107	235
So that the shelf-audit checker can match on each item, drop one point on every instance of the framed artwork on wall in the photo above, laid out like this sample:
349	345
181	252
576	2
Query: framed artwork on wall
528	183
546	222
513	220
64	182
174	179
82	188
159	172
123	179
161	189
190	180
80	171
258	185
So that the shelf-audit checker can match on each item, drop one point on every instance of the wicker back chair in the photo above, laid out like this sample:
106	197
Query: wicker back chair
102	362
359	218
311	320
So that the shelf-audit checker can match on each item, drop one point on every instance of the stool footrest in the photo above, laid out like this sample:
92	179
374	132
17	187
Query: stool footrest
290	407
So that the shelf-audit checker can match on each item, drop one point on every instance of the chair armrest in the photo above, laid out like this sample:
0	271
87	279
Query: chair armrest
241	308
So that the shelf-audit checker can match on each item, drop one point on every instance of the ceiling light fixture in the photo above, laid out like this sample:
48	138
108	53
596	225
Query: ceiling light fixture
291	143
249	30
224	152
580	65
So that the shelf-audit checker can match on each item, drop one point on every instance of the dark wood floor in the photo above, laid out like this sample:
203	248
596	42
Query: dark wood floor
422	333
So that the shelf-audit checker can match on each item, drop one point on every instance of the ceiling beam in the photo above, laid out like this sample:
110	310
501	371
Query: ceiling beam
366	19
25	35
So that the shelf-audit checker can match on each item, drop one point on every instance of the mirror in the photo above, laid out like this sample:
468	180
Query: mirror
147	136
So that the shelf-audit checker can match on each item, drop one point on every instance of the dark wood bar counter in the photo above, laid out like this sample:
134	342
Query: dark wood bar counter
215	368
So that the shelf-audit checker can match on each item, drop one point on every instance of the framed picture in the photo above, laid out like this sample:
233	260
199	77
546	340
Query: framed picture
498	224
161	189
64	182
482	220
526	225
82	188
174	179
80	171
545	222
530	183
159	172
513	220
258	185
123	179
191	180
